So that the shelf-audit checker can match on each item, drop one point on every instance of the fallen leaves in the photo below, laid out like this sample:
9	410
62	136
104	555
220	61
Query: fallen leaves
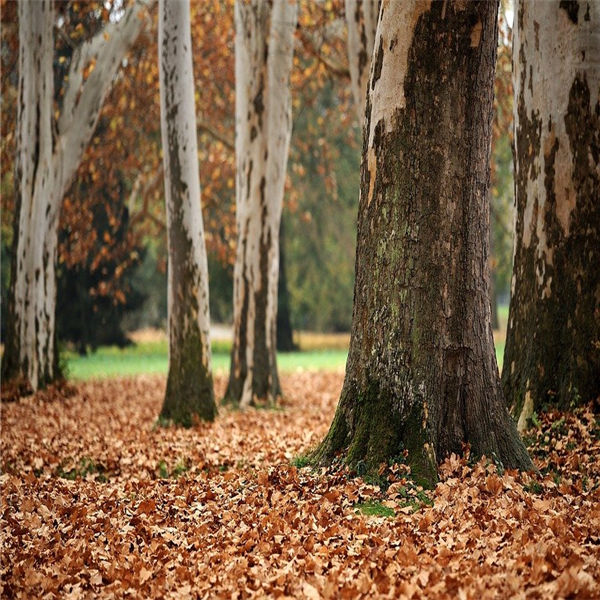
97	500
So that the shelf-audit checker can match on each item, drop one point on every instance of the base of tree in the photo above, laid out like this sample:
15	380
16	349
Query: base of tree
368	435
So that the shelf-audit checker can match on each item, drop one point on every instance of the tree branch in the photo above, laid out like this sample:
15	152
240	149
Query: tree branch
83	99
220	137
334	67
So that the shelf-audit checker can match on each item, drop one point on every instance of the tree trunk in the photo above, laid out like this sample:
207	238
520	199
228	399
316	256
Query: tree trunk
553	341
421	372
263	61
189	390
493	296
285	333
49	150
361	21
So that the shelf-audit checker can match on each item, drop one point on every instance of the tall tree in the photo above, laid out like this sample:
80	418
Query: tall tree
264	44
421	372
361	21
50	146
189	383
552	351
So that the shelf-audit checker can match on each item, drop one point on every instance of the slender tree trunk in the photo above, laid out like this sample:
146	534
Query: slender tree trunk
285	333
421	372
263	61
49	150
189	384
553	341
30	345
493	296
361	21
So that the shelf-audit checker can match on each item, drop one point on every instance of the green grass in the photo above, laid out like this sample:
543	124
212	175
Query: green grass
151	358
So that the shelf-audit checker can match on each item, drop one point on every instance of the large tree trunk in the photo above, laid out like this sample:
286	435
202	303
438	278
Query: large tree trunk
553	342
263	62
421	372
49	150
361	21
189	384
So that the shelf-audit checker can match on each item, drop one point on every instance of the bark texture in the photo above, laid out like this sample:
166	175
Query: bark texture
189	390
263	61
361	21
49	150
421	372
552	351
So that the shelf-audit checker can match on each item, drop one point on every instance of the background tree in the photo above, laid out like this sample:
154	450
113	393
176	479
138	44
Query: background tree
361	21
189	383
553	340
50	145
263	62
421	372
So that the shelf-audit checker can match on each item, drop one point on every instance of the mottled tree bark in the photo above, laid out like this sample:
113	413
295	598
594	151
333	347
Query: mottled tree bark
361	22
552	351
421	372
263	61
50	146
189	390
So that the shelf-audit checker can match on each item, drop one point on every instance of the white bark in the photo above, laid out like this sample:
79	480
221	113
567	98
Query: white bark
550	356
188	307
550	51
48	154
361	20
263	62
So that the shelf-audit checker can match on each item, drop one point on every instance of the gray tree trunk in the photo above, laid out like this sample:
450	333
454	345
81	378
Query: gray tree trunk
421	372
189	390
263	61
552	351
361	22
49	150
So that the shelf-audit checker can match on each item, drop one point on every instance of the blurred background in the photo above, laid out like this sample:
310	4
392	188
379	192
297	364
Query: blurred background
111	305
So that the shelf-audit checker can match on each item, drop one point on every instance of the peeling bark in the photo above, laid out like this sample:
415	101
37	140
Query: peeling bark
49	151
189	390
361	21
264	51
421	372
552	354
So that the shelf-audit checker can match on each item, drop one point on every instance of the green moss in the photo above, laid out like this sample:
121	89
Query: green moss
374	509
189	392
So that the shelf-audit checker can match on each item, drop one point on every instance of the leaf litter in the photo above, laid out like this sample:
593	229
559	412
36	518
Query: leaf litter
100	500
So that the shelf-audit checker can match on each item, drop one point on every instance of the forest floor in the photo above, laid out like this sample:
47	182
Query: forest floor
99	501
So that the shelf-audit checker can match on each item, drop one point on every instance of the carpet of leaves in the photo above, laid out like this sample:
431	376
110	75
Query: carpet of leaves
99	501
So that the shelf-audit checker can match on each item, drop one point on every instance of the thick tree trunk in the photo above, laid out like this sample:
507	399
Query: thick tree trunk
263	61
361	21
189	384
49	151
553	341
421	372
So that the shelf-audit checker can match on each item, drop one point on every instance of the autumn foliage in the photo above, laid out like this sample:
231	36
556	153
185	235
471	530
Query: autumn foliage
124	507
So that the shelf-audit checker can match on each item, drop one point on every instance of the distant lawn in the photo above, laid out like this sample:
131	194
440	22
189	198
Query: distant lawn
320	352
152	357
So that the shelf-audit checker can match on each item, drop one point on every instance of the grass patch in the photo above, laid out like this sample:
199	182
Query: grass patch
179	469
301	461
85	467
149	358
319	352
374	509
